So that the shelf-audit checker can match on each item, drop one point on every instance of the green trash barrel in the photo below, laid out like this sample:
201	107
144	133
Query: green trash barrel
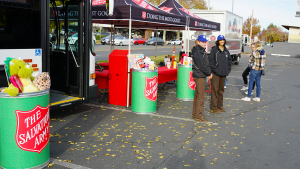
185	83
144	91
24	130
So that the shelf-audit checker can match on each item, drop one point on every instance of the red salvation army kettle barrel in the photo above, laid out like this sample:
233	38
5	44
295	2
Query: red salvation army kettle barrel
24	130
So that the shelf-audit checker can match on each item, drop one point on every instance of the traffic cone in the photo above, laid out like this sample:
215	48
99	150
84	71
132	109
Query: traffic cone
173	58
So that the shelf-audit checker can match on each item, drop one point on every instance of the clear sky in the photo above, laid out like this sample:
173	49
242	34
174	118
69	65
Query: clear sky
278	12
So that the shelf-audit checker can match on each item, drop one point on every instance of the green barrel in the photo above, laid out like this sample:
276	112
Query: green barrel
144	91
185	83
24	130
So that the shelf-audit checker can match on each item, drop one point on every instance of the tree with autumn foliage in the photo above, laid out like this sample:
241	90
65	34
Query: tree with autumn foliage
188	4
272	34
255	26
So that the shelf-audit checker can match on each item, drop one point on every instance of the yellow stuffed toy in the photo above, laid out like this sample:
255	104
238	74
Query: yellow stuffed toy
16	68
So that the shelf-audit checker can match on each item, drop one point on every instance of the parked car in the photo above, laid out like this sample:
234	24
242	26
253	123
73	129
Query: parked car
138	41
74	39
152	41
102	33
106	40
174	42
122	41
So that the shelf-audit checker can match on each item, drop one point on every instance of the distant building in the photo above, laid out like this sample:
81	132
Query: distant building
294	33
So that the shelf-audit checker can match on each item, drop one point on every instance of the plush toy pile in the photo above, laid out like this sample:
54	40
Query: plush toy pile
19	74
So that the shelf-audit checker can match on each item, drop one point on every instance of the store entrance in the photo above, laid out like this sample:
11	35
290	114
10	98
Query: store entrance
66	50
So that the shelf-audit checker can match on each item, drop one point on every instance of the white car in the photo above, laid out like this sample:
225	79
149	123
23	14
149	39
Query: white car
122	41
174	42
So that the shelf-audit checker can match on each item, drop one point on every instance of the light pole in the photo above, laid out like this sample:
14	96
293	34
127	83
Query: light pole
208	4
232	5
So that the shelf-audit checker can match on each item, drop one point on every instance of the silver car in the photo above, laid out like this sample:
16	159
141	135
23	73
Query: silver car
122	41
107	39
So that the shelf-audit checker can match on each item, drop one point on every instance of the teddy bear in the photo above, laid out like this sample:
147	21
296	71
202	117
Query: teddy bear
22	70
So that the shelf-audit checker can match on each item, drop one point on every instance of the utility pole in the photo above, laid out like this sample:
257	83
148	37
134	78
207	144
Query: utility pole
232	5
208	4
251	28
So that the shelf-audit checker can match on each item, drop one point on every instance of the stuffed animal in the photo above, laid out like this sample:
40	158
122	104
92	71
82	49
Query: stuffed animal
19	74
42	81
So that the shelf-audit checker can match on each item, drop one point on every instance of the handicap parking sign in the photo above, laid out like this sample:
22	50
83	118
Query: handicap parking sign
38	52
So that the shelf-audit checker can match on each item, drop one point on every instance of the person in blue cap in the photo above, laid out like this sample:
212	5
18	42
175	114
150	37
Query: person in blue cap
220	64
201	70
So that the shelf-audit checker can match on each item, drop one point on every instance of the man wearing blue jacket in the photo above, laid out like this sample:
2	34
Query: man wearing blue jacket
201	70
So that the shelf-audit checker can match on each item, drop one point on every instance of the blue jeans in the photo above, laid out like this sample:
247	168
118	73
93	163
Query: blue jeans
254	75
225	81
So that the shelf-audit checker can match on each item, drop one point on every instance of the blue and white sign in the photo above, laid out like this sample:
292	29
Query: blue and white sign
38	52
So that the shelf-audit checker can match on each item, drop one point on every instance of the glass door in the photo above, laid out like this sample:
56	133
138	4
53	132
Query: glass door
66	41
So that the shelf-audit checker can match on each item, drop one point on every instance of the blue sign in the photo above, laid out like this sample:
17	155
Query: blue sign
38	52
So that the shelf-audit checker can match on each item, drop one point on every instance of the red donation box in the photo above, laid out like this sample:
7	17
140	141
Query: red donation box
118	78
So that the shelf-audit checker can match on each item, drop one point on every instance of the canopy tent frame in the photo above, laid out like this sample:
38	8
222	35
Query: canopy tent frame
120	20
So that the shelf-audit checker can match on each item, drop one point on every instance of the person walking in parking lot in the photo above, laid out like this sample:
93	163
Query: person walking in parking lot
246	73
257	62
201	70
220	64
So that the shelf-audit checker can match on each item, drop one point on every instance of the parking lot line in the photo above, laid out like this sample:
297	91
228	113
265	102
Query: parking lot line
111	108
209	96
233	85
67	164
157	115
241	77
178	118
281	55
227	98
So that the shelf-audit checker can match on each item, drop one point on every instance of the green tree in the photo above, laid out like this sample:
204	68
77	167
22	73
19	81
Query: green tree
271	26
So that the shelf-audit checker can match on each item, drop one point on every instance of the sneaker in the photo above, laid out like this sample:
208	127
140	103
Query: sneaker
224	87
244	88
246	92
246	99
257	99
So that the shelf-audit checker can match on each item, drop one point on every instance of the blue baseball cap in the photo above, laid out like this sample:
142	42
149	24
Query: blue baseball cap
221	37
202	38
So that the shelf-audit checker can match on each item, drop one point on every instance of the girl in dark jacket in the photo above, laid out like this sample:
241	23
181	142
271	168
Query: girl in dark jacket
201	70
220	64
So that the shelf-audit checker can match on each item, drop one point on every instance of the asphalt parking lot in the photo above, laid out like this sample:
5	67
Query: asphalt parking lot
248	135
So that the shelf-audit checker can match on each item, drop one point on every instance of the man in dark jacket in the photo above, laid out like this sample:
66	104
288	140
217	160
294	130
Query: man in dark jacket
220	64
201	70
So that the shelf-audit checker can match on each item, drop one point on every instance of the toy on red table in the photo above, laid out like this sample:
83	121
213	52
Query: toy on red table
14	79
